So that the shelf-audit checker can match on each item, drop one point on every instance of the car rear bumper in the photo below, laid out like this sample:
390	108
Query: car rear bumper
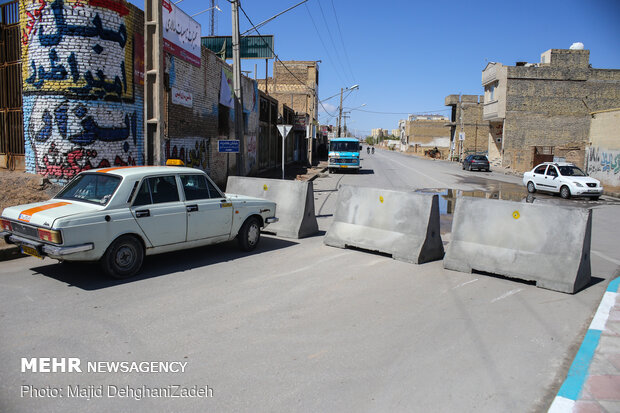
46	250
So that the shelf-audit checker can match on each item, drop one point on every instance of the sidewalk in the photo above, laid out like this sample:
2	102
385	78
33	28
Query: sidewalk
593	380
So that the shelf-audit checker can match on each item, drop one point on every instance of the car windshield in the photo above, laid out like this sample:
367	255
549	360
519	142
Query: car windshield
571	171
344	146
93	188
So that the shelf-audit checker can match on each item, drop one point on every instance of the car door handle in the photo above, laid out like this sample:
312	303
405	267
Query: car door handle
192	208
143	213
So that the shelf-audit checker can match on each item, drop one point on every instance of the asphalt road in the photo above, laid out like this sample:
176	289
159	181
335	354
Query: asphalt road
299	326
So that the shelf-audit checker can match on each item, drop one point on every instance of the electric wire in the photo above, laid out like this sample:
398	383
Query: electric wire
276	56
331	38
331	59
346	55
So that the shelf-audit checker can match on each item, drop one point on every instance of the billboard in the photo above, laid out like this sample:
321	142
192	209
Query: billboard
251	47
181	34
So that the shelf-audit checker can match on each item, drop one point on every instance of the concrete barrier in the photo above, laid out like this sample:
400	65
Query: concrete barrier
294	203
402	224
549	244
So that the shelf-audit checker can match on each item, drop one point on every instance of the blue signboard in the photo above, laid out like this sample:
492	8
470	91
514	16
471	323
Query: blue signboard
228	146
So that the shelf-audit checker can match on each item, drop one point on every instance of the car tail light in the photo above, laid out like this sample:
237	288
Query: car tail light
50	236
6	225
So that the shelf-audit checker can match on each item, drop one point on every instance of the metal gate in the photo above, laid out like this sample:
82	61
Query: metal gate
541	154
11	117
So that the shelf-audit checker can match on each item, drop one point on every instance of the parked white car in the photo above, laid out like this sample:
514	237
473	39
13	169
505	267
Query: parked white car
118	215
563	178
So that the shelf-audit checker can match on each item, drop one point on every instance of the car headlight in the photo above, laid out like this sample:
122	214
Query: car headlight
578	184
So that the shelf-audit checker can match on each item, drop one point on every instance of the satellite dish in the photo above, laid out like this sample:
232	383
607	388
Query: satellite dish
577	46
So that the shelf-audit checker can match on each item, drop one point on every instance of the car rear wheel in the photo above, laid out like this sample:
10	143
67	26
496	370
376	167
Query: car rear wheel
565	192
123	258
530	187
249	234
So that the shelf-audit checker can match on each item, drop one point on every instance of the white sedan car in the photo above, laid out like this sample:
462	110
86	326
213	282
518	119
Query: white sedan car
563	178
118	215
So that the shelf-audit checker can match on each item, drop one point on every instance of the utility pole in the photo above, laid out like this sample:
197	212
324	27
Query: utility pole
239	127
212	28
461	143
340	113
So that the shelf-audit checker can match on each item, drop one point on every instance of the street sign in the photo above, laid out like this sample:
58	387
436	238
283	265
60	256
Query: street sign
228	146
461	136
284	131
250	47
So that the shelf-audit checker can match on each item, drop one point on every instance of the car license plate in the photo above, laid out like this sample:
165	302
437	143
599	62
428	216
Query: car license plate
31	251
343	166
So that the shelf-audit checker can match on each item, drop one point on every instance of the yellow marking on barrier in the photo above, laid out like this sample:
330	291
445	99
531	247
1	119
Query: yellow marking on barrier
265	187
381	199
516	215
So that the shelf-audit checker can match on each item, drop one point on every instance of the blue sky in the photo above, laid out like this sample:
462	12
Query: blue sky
407	56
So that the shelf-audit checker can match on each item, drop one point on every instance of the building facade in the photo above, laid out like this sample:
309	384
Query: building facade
295	83
541	111
468	132
603	150
425	132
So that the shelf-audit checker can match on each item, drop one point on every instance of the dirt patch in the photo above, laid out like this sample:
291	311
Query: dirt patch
22	188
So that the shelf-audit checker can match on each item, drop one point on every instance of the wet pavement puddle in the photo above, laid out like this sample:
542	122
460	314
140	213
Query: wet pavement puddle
505	191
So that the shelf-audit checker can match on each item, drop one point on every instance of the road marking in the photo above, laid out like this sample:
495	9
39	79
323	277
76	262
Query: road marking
306	268
465	283
508	294
443	185
606	257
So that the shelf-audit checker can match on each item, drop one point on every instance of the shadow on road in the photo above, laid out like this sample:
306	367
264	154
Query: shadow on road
89	277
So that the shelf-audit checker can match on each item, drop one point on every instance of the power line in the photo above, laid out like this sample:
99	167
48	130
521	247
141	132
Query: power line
331	59
331	38
346	55
277	58
406	113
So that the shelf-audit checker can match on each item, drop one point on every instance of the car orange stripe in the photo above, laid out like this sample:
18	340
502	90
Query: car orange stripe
26	215
118	167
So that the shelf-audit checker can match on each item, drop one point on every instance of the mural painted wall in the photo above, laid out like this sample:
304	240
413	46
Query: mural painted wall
603	152
82	70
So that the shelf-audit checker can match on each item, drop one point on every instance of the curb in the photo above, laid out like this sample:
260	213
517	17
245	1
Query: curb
578	373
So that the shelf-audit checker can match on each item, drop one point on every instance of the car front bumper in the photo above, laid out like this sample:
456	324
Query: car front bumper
586	191
46	250
344	166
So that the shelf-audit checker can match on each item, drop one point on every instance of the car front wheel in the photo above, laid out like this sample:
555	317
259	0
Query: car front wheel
249	234
123	258
530	187
565	192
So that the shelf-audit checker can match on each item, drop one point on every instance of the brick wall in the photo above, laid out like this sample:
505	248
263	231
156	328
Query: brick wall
551	105
196	120
83	87
425	132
